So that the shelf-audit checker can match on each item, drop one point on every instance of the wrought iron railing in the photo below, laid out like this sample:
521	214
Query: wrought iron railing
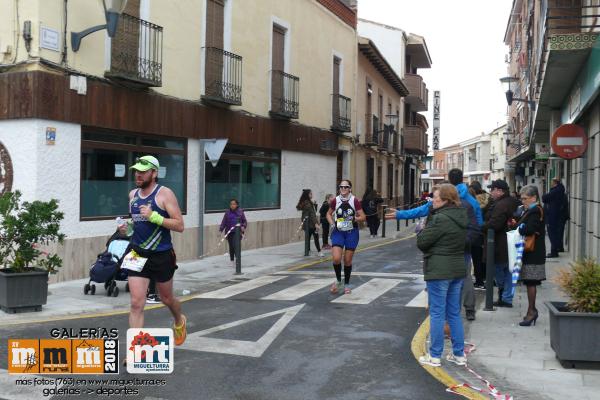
373	134
136	52
223	76
341	112
385	142
285	94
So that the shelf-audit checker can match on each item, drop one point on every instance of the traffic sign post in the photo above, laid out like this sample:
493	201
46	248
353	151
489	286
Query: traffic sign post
569	141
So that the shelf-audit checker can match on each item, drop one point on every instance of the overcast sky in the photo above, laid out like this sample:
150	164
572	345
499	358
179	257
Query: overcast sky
465	41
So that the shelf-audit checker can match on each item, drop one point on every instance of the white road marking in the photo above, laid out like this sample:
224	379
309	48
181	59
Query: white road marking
419	300
198	342
357	273
230	291
300	290
369	291
10	391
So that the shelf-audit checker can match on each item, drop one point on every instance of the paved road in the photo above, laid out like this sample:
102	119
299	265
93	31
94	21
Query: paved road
292	338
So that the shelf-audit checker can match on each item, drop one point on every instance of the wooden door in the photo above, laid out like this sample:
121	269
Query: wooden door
277	64
215	20
336	90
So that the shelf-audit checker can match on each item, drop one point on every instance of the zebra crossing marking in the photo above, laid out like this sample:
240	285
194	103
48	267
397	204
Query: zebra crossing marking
238	288
419	300
300	290
357	273
368	291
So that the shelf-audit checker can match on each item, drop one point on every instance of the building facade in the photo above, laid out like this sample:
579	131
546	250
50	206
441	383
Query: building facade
378	161
477	159
554	61
73	120
406	54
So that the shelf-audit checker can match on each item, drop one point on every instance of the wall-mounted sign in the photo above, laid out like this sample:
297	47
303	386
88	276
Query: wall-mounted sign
569	141
542	151
436	120
49	38
50	136
6	170
120	170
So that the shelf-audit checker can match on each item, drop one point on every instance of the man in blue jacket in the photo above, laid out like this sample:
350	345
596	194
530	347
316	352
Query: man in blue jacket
455	176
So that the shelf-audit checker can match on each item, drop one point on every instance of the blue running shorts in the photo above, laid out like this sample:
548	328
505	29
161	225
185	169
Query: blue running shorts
347	240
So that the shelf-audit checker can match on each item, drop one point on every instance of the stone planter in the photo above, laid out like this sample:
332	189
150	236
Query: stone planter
573	335
25	291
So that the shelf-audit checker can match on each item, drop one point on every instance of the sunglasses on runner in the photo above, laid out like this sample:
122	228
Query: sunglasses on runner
345	187
144	162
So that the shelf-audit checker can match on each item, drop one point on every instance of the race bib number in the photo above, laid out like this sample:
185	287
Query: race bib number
133	261
343	225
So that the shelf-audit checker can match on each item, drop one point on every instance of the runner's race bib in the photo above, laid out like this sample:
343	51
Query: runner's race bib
133	261
343	225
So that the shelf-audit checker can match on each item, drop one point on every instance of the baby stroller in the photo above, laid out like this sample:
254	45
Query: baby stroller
107	267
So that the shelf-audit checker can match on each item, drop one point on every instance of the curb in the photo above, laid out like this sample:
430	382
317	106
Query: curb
183	299
419	348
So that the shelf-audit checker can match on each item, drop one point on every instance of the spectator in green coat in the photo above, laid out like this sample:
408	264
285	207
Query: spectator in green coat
442	242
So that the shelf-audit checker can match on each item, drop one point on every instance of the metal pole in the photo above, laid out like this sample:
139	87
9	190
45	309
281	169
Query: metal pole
306	238
383	219
238	248
201	174
397	224
490	268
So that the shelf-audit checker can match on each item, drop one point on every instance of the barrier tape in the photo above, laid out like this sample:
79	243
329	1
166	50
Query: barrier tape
490	390
220	241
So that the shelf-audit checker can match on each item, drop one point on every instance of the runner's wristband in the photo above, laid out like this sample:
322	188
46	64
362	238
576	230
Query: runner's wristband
156	218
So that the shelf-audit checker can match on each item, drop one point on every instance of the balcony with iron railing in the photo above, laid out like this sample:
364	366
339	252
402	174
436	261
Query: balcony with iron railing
136	53
373	131
341	112
568	34
418	93
285	95
222	76
384	142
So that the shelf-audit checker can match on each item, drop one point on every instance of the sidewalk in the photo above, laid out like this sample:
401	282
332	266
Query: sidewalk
519	360
66	299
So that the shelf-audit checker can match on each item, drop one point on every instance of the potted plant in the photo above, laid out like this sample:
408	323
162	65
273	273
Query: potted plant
24	228
574	326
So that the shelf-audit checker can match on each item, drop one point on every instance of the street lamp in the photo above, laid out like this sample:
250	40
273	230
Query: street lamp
507	136
393	118
112	10
506	81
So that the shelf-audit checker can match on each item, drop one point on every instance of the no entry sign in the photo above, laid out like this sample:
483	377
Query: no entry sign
569	141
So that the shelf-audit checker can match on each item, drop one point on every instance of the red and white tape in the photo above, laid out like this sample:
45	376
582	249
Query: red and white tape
490	390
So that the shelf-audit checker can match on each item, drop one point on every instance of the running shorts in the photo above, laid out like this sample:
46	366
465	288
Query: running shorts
160	266
347	240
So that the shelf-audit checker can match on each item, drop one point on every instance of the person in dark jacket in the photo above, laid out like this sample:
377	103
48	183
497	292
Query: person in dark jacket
230	219
442	242
499	218
555	206
369	204
305	204
324	223
533	271
483	198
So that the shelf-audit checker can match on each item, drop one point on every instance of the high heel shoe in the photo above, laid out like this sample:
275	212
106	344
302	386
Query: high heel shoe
528	322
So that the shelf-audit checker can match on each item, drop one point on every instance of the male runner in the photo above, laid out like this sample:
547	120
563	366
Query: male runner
155	213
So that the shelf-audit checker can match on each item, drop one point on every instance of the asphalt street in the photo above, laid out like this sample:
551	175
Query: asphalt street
284	336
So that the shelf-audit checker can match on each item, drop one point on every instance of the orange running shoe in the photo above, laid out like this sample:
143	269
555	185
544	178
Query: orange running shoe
180	332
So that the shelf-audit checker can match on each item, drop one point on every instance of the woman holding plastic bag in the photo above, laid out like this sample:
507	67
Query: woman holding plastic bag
532	228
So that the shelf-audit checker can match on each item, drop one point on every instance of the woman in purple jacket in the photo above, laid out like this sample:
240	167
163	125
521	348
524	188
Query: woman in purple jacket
230	219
